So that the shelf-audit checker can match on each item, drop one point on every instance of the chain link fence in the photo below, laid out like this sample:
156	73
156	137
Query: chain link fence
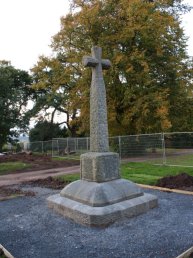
174	149
45	147
178	149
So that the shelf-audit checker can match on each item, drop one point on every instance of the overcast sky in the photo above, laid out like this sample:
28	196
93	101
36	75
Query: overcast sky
26	28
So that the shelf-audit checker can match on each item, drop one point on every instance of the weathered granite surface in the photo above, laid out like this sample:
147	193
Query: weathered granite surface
98	107
101	216
100	197
99	166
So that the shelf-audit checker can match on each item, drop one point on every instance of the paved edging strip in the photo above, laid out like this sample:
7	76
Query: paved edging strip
6	252
186	254
10	197
165	189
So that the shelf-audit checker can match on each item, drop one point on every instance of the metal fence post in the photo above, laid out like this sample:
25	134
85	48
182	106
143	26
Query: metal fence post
87	143
42	147
164	149
119	137
52	149
58	148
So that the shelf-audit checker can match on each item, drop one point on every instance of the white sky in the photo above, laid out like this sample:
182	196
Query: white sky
26	28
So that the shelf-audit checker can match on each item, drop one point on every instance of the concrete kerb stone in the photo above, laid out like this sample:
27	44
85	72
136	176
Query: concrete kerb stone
186	254
8	255
165	189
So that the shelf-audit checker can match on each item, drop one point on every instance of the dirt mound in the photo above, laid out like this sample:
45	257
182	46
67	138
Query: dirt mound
49	182
37	162
182	181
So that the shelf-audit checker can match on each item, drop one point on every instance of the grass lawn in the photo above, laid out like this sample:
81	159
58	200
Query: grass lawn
145	173
67	157
141	172
11	166
183	160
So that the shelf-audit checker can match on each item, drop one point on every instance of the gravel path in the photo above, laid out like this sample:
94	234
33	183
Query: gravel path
28	229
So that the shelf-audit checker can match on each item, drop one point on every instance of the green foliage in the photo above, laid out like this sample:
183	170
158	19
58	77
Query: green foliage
44	131
149	86
14	94
54	89
179	141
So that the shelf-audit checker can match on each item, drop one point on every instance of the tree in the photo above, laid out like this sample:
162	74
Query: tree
54	89
149	83
14	95
45	131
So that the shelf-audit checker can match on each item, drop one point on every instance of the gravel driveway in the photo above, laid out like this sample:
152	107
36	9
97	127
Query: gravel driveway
28	229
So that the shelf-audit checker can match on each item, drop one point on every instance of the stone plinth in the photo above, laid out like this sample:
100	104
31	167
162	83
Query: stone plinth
100	203
99	166
101	194
101	216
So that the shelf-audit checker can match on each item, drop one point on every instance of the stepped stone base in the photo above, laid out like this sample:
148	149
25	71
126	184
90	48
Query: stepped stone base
100	204
101	194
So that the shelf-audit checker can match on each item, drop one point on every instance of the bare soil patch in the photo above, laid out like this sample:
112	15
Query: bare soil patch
49	182
37	162
7	193
182	181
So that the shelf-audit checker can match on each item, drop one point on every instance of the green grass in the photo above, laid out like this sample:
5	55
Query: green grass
68	157
12	166
69	178
145	173
141	172
182	160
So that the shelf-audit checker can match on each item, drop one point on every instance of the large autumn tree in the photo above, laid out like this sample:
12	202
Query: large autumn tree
149	86
55	89
15	92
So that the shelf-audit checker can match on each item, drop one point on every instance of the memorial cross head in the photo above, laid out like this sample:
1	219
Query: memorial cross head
95	59
99	141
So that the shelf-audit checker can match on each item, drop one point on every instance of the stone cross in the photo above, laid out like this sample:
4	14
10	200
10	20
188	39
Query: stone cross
98	108
100	197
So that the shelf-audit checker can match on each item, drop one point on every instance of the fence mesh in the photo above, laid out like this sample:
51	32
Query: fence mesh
179	149
40	147
175	149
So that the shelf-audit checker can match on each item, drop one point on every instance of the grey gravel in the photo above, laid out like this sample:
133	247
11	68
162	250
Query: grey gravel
29	229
